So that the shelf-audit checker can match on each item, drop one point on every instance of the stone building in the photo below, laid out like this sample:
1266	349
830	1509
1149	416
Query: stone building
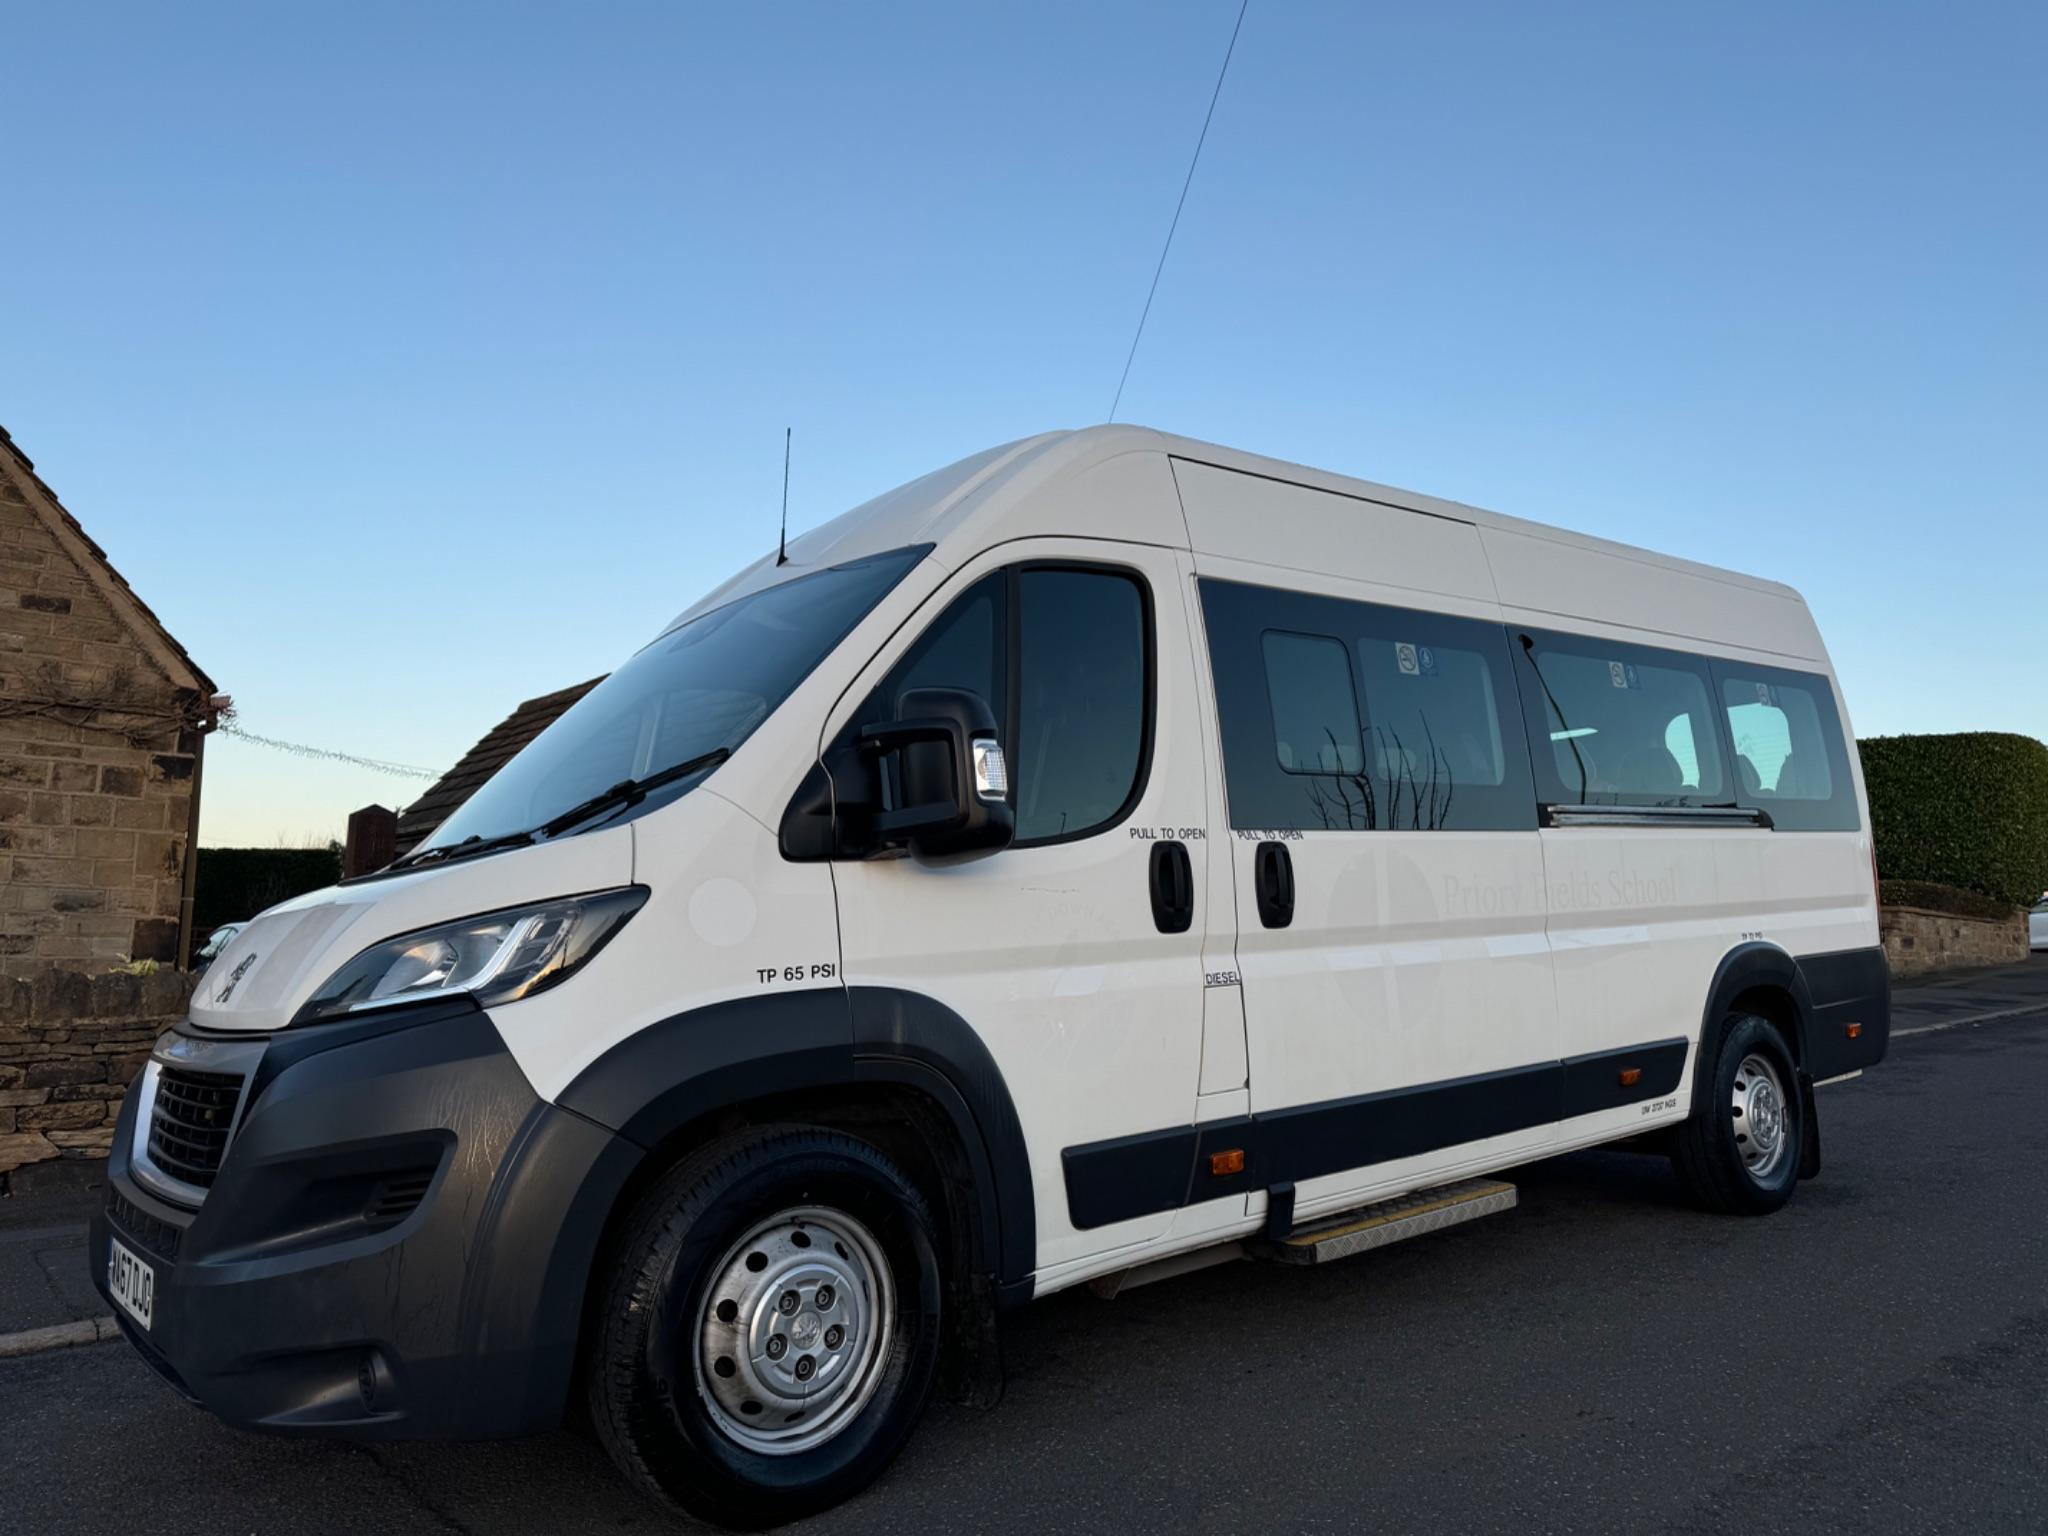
102	720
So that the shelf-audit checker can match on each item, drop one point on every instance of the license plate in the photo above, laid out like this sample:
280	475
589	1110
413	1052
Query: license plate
132	1282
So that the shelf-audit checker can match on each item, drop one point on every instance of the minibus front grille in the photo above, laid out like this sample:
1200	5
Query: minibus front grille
159	1237
191	1121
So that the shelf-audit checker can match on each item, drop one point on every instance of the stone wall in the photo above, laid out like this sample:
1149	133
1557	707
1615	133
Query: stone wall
98	750
1917	940
70	1044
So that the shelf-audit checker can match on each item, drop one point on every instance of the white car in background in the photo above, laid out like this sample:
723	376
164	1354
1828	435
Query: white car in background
2037	924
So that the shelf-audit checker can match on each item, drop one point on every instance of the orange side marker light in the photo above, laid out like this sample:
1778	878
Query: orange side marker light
1221	1163
1630	1076
1854	1031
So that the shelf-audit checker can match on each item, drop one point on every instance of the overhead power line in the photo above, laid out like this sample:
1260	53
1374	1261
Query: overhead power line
1196	160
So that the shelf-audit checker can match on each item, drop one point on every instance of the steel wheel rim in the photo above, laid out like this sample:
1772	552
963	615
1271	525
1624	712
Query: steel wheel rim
1761	1116
794	1330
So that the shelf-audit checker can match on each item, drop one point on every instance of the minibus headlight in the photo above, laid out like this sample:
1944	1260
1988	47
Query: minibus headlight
494	957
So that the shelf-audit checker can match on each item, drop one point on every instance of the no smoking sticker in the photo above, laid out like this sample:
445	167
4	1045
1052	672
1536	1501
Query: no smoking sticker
1414	660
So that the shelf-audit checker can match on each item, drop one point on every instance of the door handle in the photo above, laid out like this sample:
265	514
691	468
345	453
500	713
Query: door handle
1173	887
1273	883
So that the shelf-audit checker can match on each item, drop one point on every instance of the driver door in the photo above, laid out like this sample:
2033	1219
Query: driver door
1054	950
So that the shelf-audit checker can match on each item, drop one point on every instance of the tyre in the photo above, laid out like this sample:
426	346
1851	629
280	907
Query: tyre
1739	1151
770	1327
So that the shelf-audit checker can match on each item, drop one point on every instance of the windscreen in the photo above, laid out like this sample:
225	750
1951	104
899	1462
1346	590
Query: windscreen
703	685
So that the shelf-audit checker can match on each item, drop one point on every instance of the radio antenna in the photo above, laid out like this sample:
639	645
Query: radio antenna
782	544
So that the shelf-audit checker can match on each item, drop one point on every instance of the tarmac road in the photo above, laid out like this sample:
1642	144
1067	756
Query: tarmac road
1873	1358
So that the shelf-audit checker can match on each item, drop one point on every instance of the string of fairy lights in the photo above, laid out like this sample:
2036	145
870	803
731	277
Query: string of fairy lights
328	754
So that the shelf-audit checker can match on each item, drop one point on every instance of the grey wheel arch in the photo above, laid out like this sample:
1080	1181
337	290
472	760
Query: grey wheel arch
1744	970
1751	967
726	1055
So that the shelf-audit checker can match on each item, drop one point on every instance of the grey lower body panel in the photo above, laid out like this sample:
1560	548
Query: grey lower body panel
396	1245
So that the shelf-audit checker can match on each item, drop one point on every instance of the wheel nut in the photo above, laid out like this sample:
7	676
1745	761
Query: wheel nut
825	1295
806	1368
777	1347
834	1336
789	1303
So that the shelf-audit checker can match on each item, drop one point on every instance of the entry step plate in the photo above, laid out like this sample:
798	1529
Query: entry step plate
1375	1226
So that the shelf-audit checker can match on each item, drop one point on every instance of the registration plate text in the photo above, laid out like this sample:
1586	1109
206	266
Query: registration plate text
132	1282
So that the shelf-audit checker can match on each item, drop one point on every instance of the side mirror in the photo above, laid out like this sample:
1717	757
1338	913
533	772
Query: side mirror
954	780
951	778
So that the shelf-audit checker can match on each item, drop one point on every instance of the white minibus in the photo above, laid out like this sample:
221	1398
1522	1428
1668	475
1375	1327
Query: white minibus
1106	855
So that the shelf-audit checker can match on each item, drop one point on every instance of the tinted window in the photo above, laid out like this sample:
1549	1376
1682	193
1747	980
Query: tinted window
1614	724
1072	693
1790	756
1080	719
963	649
1434	710
703	685
1315	704
1356	717
960	650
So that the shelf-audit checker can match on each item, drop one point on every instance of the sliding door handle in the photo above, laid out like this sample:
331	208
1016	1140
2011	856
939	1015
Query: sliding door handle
1273	884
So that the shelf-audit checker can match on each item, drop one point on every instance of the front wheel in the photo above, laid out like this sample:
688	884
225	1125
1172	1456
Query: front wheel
1740	1149
769	1335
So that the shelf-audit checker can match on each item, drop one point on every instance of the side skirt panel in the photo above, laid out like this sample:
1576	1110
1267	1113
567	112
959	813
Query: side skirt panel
1130	1176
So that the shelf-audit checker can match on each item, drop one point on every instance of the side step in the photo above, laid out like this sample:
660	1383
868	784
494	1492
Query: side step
1389	1221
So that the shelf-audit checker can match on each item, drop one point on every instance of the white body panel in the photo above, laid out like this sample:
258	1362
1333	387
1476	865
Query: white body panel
1416	957
280	958
1292	530
723	907
1551	579
1095	1018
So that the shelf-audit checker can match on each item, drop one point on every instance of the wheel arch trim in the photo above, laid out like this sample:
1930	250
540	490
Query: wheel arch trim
1747	967
690	1065
1831	993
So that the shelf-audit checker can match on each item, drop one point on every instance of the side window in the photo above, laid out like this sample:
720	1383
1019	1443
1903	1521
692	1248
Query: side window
1357	717
1790	756
1062	654
1315	704
1614	724
1080	723
1763	746
1436	718
962	649
1683	749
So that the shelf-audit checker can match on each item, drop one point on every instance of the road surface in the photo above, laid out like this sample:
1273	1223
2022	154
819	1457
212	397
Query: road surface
1873	1358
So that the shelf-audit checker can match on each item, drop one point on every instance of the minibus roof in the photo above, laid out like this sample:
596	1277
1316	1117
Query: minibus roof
993	496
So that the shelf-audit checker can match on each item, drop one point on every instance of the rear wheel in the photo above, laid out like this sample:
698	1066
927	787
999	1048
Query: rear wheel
1740	1149
771	1327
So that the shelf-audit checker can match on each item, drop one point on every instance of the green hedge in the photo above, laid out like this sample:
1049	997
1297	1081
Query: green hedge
237	883
1968	810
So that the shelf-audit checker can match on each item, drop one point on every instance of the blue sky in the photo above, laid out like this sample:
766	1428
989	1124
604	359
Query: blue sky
415	360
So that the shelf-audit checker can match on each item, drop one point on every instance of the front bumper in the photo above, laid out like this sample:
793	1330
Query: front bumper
397	1244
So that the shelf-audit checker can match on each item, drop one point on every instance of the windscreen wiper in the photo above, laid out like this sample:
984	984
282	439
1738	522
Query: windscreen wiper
468	848
630	792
